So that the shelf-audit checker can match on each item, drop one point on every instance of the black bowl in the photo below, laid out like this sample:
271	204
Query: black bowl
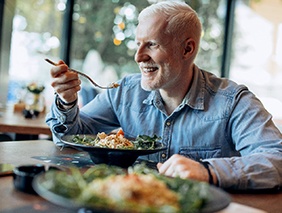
117	157
24	175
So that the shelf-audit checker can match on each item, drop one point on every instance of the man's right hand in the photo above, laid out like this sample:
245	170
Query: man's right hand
65	83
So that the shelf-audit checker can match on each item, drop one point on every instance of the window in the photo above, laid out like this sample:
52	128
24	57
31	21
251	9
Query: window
34	31
257	50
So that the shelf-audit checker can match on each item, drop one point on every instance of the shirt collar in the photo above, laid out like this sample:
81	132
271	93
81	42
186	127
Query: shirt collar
153	95
195	96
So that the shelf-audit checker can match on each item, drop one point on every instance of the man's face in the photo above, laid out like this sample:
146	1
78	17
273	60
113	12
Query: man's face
158	55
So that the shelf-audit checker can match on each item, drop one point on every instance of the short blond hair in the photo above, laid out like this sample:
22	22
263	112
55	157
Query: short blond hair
181	19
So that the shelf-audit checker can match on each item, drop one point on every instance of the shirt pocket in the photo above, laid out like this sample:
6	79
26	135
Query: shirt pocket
200	153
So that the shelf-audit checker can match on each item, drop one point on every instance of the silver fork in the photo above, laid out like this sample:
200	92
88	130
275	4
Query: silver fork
111	86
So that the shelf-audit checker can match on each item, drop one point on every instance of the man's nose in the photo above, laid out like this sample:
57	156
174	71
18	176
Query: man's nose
141	55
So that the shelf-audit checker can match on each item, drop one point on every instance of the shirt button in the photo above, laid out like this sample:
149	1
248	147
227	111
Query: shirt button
168	123
163	155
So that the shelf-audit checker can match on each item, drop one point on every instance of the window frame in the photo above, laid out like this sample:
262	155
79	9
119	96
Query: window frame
7	11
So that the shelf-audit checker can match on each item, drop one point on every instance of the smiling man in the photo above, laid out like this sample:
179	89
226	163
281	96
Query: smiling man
214	129
160	49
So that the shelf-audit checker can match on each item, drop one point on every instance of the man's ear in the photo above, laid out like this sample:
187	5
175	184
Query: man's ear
189	47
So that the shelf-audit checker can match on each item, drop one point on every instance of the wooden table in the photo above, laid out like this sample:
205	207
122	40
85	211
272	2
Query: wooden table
12	200
17	153
15	122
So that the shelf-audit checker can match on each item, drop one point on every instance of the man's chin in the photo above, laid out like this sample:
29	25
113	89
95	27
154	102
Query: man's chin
147	87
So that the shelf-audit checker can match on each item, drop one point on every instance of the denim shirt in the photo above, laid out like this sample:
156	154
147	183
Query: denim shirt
218	121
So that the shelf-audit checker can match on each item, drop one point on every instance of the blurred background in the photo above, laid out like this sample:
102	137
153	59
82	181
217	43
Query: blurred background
241	40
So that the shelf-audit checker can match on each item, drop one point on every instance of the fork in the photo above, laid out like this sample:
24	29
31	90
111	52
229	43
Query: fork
111	86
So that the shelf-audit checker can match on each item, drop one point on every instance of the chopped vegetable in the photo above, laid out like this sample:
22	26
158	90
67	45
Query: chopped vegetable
146	142
120	132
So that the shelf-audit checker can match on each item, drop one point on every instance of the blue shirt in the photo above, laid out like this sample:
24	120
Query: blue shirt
218	121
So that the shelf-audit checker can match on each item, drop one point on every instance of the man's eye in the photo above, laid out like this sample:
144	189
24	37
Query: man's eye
152	44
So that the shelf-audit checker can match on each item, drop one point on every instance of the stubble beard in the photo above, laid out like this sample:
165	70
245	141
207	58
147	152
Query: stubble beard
158	81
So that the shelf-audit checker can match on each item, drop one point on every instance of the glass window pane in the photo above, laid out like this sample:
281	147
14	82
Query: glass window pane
257	50
36	33
212	15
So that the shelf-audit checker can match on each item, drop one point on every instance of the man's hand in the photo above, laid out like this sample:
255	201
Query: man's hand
183	167
65	83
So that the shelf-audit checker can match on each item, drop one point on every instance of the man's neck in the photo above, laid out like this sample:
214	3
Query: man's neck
173	97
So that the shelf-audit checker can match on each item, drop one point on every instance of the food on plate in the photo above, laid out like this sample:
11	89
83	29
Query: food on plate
134	190
117	141
113	141
112	189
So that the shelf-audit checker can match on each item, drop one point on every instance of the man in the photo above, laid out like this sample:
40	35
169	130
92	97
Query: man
215	130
